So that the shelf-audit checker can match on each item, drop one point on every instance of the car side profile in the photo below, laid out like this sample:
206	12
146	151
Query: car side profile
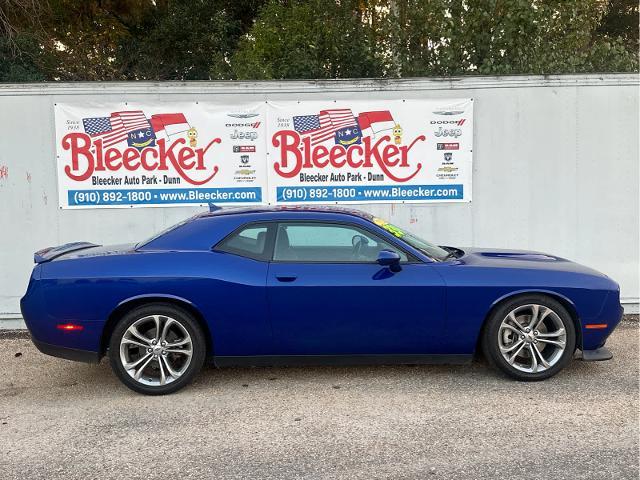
311	285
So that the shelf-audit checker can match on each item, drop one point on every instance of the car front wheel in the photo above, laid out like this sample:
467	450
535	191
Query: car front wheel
157	349
530	338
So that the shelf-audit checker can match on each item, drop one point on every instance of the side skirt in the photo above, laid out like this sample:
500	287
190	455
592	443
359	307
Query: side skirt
337	360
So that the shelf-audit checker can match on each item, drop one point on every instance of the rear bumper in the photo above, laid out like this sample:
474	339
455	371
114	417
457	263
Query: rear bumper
67	353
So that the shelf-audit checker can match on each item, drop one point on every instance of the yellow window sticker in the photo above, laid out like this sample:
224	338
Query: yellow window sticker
392	229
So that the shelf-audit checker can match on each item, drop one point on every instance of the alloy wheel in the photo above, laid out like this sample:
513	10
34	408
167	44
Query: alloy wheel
532	338
156	350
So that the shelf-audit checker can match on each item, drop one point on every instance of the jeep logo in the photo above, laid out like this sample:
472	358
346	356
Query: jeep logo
448	132
244	135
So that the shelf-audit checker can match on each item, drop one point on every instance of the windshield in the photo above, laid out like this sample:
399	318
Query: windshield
418	243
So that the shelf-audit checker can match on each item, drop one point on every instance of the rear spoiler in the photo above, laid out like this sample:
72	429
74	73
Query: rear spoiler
49	253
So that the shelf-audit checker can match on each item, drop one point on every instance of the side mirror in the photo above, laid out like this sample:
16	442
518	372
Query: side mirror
390	259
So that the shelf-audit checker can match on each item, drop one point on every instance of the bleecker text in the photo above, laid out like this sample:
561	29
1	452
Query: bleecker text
296	154
85	160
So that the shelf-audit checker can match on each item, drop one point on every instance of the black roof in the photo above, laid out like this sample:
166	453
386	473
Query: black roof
285	208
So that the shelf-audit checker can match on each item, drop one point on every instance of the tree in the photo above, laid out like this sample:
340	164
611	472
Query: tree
621	21
20	59
316	39
20	55
83	37
187	40
143	39
405	38
454	37
275	39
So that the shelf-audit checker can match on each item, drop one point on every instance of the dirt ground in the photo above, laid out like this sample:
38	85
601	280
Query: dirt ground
60	419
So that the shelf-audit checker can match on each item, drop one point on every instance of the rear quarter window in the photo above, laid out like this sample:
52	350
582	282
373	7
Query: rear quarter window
249	241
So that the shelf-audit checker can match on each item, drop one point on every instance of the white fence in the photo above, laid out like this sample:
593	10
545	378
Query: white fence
555	168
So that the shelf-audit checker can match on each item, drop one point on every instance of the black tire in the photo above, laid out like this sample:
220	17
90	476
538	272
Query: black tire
185	320
491	334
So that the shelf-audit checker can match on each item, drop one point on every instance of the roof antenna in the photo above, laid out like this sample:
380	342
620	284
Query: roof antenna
214	208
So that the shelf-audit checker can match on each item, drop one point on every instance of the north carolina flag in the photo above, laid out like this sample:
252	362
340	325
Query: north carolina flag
115	128
169	123
324	126
378	121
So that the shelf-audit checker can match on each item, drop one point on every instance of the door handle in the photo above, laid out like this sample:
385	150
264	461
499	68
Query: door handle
286	278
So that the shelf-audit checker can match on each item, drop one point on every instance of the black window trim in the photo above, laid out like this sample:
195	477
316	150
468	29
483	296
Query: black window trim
272	228
268	244
411	258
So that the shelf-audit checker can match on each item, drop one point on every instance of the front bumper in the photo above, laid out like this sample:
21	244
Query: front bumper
66	352
597	355
594	339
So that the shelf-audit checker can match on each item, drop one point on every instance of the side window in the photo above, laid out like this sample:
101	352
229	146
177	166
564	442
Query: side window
328	242
250	242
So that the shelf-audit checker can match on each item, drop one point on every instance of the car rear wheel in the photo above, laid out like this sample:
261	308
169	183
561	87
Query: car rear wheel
530	338
157	349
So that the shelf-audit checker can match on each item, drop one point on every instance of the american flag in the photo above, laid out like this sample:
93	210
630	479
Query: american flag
114	129
325	125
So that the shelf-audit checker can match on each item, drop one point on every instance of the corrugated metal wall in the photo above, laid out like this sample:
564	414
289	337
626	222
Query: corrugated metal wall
555	168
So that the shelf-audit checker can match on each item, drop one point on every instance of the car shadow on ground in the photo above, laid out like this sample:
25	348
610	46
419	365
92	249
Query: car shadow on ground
28	370
79	377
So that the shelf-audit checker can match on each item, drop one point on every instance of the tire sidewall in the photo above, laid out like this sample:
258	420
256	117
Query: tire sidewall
490	339
189	323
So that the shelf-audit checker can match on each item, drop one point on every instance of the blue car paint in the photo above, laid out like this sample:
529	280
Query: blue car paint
428	307
368	310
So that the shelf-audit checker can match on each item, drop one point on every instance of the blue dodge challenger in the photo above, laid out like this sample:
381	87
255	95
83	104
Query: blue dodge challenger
311	285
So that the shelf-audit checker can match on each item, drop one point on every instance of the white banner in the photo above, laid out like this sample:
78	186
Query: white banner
383	151
121	155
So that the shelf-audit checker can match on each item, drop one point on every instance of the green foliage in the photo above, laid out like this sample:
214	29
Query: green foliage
19	59
83	37
316	39
278	39
503	37
186	42
621	21
145	39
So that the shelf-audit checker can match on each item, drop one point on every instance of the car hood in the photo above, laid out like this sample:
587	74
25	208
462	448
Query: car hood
522	259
